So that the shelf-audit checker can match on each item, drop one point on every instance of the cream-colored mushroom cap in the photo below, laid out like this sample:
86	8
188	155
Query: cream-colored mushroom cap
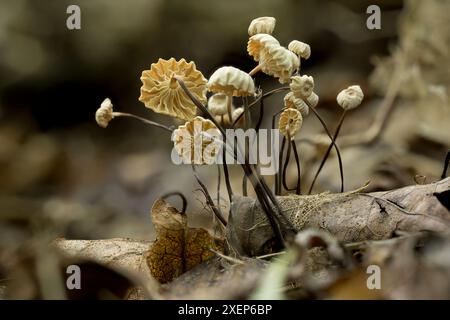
302	86
231	81
350	98
279	62
217	104
301	49
313	100
196	141
291	101
290	122
262	25
104	114
260	43
162	93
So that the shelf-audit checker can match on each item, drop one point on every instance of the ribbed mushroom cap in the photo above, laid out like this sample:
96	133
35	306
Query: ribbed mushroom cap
262	25
301	49
162	93
291	101
290	122
350	98
231	81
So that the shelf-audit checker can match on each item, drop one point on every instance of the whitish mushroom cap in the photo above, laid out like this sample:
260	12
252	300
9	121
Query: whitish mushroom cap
162	93
291	101
231	81
350	98
290	122
279	62
259	43
104	114
262	25
302	86
313	99
197	141
301	49
217	104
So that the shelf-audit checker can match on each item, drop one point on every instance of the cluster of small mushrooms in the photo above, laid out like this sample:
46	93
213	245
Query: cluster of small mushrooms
177	89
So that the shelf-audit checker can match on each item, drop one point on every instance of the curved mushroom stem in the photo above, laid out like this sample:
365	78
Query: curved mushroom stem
327	153
152	123
255	70
338	152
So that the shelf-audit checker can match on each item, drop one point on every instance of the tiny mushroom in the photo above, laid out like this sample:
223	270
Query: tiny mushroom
301	49
350	98
302	86
290	122
231	82
162	93
291	101
104	114
262	25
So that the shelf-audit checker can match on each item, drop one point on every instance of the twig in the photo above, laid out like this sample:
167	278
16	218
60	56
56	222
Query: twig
146	121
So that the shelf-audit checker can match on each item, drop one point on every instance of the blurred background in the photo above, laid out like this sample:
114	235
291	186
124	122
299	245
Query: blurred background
63	176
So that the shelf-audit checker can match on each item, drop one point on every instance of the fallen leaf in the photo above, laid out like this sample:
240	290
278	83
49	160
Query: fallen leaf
177	247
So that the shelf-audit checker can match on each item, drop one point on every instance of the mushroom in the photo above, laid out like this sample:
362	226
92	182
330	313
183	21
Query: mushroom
105	113
162	93
302	86
197	141
273	59
262	25
291	101
290	122
301	49
350	98
231	82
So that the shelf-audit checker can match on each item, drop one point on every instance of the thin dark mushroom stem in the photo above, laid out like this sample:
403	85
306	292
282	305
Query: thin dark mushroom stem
279	164
286	164
146	121
333	143
179	194
327	153
279	174
219	178
446	161
209	200
297	161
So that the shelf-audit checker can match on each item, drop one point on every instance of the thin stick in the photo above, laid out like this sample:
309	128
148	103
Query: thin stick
229	105
341	169
152	123
327	153
179	194
209	200
261	115
255	70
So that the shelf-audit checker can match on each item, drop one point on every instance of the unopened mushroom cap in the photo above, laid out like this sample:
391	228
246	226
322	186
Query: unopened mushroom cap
162	93
231	81
259	43
104	114
279	62
313	99
196	141
290	122
217	104
350	98
302	86
301	49
291	101
262	25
